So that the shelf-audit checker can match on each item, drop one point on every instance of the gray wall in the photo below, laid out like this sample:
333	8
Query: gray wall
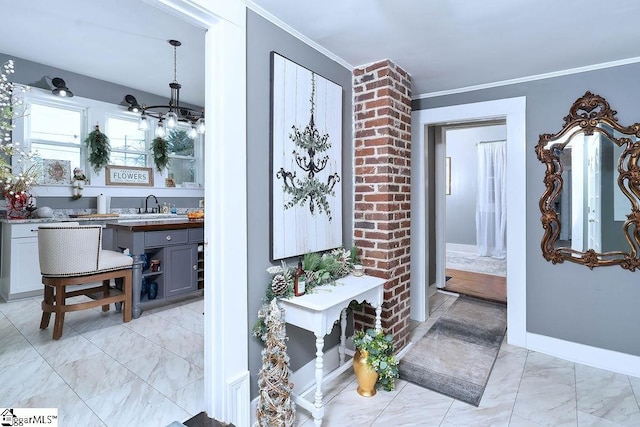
33	74
262	38
568	301
461	147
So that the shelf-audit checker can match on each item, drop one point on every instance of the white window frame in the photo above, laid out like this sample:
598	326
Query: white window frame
124	115
198	156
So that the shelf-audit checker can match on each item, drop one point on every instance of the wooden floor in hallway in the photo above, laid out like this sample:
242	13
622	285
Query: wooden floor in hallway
478	285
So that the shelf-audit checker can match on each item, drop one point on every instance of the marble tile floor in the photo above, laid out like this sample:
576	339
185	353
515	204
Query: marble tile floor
103	372
525	389
95	378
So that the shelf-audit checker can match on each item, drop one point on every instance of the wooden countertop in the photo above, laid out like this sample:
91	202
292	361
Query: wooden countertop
156	224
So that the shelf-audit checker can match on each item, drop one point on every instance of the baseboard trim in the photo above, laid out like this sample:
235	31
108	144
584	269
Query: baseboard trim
609	360
238	390
459	247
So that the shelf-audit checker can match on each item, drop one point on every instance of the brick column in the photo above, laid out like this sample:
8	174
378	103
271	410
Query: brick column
382	102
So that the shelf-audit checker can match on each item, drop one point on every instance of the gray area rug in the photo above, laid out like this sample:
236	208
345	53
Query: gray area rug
476	263
456	356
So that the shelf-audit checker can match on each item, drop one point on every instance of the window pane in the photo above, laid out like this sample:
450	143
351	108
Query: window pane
124	135
55	152
54	124
128	159
182	170
179	142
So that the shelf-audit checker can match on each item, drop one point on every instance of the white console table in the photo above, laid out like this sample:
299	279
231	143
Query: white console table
317	312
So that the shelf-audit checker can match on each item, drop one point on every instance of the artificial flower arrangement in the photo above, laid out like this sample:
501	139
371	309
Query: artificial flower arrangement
319	269
18	177
380	356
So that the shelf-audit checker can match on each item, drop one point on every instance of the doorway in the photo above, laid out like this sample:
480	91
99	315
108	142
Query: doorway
475	218
429	243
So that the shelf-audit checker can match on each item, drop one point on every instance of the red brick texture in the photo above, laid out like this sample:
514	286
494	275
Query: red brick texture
382	102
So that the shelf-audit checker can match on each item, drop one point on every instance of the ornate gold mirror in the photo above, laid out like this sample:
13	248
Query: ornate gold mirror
590	207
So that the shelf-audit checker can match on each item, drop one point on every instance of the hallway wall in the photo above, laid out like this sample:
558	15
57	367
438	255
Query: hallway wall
569	301
461	147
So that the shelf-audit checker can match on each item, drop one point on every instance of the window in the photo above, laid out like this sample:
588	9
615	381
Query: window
55	132
182	166
128	144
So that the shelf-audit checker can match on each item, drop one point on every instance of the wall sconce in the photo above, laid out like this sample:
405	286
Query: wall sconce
61	88
133	103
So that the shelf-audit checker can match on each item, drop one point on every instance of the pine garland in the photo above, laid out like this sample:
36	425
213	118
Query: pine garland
99	149
160	150
320	269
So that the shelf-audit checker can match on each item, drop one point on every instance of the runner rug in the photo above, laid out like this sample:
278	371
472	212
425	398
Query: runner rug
456	356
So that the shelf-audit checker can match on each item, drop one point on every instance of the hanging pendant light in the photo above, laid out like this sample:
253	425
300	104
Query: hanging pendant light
160	130
173	112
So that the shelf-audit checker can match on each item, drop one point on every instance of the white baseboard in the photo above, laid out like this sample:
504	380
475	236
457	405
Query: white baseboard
459	247
239	392
610	360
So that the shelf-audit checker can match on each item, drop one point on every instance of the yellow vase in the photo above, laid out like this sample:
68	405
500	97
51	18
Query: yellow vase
366	377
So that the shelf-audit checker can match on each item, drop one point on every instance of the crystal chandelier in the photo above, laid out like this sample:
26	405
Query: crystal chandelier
168	115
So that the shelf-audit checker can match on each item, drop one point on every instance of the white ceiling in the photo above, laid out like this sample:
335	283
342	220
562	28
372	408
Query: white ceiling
452	44
121	41
444	44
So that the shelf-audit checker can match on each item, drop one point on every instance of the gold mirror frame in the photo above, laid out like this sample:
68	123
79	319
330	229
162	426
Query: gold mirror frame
585	116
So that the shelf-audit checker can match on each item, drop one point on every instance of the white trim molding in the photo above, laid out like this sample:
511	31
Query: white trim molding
514	111
534	77
609	360
226	383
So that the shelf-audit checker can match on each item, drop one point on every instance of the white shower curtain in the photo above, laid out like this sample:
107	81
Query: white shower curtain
491	203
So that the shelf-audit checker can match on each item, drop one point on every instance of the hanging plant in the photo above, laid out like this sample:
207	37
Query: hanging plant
99	149
160	150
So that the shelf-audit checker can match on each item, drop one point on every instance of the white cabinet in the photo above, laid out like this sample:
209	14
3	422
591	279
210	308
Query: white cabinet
19	265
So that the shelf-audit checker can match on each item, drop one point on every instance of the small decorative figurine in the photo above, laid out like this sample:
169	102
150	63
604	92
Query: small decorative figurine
78	182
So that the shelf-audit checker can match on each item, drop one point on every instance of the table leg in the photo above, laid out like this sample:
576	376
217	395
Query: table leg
319	409
343	338
378	316
136	273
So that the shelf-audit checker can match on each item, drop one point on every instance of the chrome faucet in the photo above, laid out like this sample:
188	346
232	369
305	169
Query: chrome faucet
146	203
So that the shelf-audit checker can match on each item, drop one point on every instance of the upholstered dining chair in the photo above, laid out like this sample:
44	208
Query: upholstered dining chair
71	255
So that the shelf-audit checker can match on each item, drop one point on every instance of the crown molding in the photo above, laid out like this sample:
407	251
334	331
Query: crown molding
560	73
277	22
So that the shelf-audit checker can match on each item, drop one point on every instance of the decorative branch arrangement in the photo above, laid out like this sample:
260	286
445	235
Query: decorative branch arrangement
309	189
99	149
319	269
160	150
275	406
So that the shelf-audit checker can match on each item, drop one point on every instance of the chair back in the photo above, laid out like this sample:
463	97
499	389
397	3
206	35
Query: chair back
69	249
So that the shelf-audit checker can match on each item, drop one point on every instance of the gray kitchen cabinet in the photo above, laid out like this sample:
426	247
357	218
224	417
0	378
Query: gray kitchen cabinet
175	244
182	263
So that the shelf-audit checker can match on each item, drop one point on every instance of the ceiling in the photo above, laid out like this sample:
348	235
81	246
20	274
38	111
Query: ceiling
452	44
446	45
121	41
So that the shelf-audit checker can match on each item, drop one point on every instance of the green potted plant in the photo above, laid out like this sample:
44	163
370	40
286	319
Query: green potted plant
376	350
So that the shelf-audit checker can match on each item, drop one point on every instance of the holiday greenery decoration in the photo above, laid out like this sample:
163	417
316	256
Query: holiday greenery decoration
310	188
380	358
319	269
160	153
275	406
99	149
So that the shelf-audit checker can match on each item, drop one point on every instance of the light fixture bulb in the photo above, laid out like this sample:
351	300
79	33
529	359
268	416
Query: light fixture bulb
160	131
193	132
172	120
200	126
143	123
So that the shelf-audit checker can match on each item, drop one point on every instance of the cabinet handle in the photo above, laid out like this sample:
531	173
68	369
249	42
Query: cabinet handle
168	237
195	267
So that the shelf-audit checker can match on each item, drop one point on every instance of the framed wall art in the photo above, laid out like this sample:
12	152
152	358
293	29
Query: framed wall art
306	160
56	171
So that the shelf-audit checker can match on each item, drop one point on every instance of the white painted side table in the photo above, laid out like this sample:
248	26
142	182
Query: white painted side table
318	311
